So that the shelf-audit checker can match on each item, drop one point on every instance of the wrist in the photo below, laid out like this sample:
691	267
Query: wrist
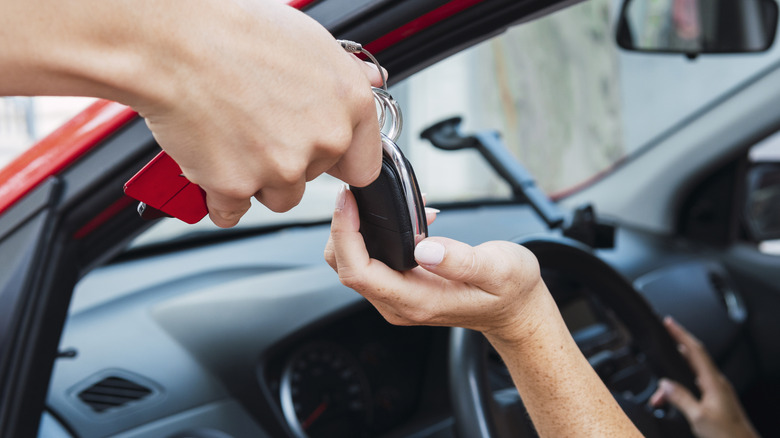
531	323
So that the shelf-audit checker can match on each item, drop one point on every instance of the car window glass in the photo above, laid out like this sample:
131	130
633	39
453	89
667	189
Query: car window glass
567	101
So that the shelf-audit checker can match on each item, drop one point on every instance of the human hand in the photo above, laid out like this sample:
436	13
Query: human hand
260	99
718	413
489	288
249	97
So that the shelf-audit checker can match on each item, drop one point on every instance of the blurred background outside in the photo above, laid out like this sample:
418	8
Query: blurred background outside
25	120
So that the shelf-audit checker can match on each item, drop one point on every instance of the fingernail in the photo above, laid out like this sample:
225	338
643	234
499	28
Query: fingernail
431	210
429	253
666	386
341	198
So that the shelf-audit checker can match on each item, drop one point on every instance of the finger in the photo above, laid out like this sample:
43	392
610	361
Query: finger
657	399
386	289
330	250
680	398
225	211
371	71
694	352
356	270
280	200
486	266
430	214
349	249
360	164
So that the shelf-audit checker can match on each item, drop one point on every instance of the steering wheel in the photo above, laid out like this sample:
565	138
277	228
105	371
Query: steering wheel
649	353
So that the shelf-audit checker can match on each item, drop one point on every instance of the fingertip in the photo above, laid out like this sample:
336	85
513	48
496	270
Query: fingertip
666	386
431	214
341	198
345	215
657	399
429	253
373	73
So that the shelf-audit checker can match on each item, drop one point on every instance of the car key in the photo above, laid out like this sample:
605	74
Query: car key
391	209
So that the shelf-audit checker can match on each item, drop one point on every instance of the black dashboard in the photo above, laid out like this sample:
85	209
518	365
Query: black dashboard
256	337
358	377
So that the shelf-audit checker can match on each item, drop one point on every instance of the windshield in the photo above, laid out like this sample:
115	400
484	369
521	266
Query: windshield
567	103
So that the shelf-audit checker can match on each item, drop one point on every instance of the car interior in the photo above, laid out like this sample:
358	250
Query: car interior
646	183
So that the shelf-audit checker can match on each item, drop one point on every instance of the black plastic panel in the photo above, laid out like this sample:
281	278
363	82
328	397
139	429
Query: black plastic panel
690	293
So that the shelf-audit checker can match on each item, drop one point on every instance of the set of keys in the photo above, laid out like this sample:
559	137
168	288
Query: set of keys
392	213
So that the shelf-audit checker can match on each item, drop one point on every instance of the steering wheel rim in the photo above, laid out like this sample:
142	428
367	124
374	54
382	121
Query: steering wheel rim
469	388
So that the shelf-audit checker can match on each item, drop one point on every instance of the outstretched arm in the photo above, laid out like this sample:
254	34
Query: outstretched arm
495	288
250	97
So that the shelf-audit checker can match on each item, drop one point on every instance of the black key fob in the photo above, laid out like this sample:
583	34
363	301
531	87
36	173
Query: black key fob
392	214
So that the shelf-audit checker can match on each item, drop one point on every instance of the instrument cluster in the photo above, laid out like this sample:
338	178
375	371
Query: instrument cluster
358	376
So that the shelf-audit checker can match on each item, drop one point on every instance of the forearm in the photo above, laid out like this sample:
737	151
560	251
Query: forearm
560	390
79	47
134	52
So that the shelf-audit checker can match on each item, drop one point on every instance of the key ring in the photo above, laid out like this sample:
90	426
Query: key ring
353	47
386	102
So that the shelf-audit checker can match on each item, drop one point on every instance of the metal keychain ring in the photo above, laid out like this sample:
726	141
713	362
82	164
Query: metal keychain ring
382	113
387	103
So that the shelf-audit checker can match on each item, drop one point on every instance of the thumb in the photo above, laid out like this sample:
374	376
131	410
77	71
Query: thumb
487	266
680	398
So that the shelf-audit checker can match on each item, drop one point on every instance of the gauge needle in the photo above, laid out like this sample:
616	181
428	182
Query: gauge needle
315	415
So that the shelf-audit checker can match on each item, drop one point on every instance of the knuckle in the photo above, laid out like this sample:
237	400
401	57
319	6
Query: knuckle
281	205
503	272
236	189
696	414
290	172
365	97
330	256
352	279
697	346
336	140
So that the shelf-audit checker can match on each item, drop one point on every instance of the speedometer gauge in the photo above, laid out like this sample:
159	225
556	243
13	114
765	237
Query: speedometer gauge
324	393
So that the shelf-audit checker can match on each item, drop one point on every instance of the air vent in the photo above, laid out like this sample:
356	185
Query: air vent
113	392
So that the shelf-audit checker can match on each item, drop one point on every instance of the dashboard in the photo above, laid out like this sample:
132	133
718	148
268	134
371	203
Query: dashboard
358	377
256	337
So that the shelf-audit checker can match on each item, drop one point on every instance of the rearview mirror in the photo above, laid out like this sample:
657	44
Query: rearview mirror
762	204
693	27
